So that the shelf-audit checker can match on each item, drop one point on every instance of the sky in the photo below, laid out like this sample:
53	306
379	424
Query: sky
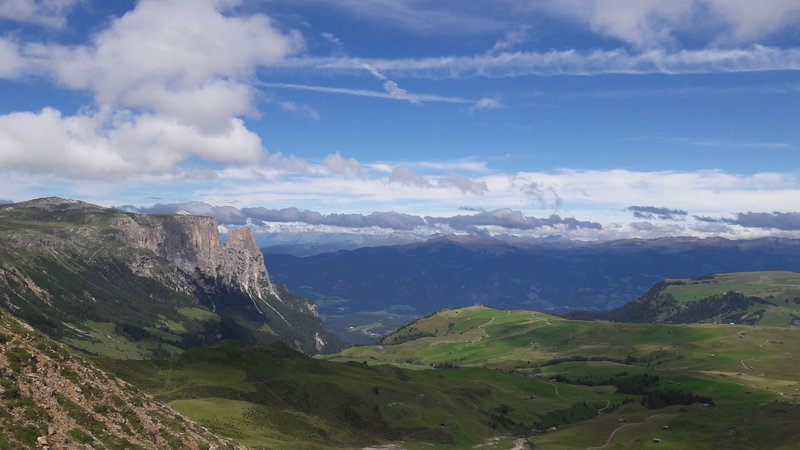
593	119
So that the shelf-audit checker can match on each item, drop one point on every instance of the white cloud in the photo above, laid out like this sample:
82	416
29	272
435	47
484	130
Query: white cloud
467	185
47	13
13	64
655	23
303	109
644	23
641	23
748	20
165	90
347	167
510	40
396	94
756	58
87	146
332	39
470	164
147	59
408	177
486	103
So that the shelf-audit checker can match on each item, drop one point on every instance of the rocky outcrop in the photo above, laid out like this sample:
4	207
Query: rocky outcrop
192	243
50	397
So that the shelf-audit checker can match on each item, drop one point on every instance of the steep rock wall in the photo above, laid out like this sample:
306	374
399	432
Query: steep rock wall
193	245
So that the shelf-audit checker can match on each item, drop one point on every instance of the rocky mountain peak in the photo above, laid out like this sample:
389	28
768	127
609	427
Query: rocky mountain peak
193	244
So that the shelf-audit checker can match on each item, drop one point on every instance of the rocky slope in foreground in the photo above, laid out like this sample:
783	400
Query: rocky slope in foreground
135	285
52	398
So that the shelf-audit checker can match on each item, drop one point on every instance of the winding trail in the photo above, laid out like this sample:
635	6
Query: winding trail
600	411
485	334
480	327
613	433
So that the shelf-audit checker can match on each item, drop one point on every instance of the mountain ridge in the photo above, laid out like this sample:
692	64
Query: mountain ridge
63	263
448	272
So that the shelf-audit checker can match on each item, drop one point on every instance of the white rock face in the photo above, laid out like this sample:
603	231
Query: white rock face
192	243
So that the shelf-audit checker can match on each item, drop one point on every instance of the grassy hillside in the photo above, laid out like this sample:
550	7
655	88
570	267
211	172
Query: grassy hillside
274	397
765	298
748	372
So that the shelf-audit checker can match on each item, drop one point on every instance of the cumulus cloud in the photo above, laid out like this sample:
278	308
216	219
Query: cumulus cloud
652	212
47	13
91	146
146	53
466	185
164	91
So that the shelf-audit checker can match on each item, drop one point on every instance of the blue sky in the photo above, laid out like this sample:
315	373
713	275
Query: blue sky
637	118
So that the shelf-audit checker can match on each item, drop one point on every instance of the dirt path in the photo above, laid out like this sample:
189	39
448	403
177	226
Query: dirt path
627	425
555	385
600	411
480	327
752	369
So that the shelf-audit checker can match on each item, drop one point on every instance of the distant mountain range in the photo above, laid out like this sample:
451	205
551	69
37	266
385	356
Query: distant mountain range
142	285
416	279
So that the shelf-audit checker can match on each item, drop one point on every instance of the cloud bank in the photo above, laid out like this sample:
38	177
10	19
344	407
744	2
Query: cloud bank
501	218
787	221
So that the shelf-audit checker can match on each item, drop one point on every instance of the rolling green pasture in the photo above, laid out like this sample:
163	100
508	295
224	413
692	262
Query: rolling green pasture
751	372
774	286
273	397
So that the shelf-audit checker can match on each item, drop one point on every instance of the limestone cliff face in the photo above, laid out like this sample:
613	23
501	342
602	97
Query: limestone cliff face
193	245
187	241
